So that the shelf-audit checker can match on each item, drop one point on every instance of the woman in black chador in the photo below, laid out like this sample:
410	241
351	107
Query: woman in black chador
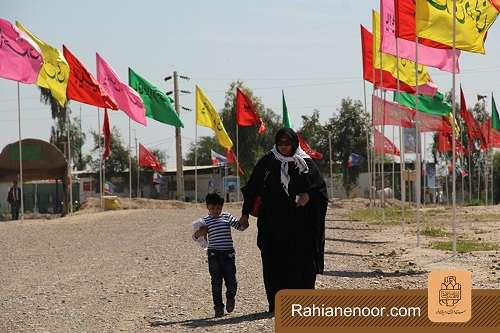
291	216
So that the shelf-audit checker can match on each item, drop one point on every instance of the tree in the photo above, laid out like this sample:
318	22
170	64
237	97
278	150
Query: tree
59	130
349	134
205	144
316	136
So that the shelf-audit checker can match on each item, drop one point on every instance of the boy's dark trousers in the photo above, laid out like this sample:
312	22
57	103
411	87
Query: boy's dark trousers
221	265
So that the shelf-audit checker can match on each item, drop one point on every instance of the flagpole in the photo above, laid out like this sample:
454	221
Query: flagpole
402	165
368	149
68	121
138	164
424	163
237	161
21	181
393	163
331	166
382	166
100	156
418	148
196	158
129	160
453	166
470	174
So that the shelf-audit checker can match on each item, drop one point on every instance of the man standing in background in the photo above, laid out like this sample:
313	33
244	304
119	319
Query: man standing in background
14	199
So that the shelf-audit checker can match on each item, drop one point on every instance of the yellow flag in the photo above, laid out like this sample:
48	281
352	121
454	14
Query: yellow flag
434	20
54	73
207	116
389	62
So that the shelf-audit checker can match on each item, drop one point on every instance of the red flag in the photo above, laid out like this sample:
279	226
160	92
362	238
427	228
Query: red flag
406	24
388	81
307	149
83	87
473	128
148	159
390	113
231	158
432	123
491	135
382	141
445	145
107	136
246	115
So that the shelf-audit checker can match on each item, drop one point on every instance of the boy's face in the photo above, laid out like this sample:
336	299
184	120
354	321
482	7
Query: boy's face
214	210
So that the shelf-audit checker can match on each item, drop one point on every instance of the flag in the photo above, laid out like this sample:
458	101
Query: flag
432	123
307	149
473	128
445	144
433	105
20	58
246	115
429	56
217	159
354	160
405	24
491	135
127	99
232	159
391	64
387	81
148	159
434	21
495	122
107	136
83	87
156	102
390	113
286	117
388	146
207	116
158	178
54	73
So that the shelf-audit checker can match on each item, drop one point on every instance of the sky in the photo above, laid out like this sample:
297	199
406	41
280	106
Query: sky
310	49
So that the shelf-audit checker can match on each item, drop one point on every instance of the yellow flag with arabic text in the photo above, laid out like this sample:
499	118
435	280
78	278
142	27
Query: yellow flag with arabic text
54	73
389	62
434	20
207	116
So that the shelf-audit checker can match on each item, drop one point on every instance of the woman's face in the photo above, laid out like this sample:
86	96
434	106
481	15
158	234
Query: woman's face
284	146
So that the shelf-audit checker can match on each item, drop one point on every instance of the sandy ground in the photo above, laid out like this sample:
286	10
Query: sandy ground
131	270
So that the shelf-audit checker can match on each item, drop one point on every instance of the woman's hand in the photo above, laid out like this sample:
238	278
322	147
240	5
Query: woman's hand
244	222
303	199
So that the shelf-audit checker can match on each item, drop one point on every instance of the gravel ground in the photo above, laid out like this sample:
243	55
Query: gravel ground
138	270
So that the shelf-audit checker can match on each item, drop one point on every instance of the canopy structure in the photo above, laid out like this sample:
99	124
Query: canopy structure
41	161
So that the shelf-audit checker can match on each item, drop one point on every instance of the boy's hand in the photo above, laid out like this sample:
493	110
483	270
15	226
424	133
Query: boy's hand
203	231
244	222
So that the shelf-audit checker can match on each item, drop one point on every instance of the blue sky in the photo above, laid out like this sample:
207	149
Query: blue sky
311	49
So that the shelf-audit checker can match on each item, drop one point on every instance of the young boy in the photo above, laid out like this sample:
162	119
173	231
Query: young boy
221	257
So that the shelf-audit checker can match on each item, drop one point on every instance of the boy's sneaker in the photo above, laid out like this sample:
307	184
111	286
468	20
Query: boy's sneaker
219	313
230	304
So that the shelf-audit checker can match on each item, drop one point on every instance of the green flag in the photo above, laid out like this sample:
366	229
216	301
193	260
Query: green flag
495	119
434	105
286	117
158	105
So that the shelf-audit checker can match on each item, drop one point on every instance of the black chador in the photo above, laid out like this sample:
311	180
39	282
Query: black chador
291	238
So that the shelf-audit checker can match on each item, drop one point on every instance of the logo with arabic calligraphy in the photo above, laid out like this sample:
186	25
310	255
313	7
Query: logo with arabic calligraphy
450	296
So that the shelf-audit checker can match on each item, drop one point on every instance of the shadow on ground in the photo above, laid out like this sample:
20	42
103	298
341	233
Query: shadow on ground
210	321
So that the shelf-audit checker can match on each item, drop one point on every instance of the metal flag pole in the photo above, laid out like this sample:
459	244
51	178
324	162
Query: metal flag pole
402	165
129	161
196	157
418	148
453	166
368	149
100	156
70	168
382	164
138	165
331	164
21	181
237	161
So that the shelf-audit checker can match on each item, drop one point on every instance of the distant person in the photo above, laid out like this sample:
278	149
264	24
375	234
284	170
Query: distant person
14	199
291	218
221	256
